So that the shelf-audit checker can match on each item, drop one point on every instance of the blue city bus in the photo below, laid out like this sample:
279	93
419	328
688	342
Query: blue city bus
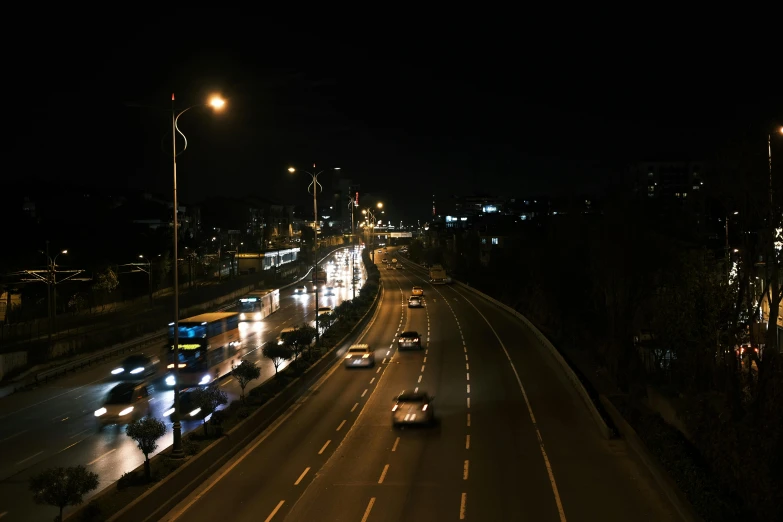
209	347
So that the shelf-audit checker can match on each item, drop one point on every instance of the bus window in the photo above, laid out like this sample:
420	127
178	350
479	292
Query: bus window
217	356
232	323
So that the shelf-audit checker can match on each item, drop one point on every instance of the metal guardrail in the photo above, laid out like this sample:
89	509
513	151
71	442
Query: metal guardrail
88	360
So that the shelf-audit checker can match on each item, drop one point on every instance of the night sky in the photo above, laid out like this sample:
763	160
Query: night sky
406	110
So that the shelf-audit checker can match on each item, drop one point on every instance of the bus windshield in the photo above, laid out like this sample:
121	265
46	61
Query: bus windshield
190	331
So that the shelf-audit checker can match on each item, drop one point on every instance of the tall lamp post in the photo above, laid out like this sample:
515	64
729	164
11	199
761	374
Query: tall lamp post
216	103
53	272
149	276
314	186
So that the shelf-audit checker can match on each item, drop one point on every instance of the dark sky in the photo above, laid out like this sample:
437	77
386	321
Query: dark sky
405	110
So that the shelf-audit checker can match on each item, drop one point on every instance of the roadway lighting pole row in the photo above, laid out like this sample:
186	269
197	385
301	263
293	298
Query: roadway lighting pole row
216	103
315	186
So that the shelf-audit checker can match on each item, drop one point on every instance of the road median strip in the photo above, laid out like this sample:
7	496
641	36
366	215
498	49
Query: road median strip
133	499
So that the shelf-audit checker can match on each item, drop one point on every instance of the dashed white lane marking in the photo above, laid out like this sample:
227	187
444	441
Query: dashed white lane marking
468	376
354	407
340	426
462	507
13	436
364	393
468	420
468	388
467	366
466	357
425	360
378	370
422	368
418	381
465	470
372	380
324	446
28	458
467	443
274	511
226	382
367	511
387	353
99	458
468	402
301	476
397	441
383	474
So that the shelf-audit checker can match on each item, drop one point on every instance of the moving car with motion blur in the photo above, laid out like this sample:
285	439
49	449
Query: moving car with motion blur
409	340
136	367
329	291
300	290
389	267
325	310
126	402
418	291
188	409
412	407
414	301
359	356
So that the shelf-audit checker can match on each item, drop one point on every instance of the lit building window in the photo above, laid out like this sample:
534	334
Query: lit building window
483	241
494	241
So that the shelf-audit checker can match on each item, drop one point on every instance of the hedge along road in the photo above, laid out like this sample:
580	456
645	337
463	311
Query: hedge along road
54	425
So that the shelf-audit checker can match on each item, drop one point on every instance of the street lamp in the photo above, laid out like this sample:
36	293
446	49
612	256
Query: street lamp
54	287
149	275
315	185
216	103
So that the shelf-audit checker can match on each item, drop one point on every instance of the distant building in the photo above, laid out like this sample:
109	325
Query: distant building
668	180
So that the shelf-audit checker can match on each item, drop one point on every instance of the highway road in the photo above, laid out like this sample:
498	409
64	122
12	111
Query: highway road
513	440
54	425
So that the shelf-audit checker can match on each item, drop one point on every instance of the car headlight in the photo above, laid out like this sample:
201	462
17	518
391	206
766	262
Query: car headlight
126	411
170	380
195	412
205	379
241	317
100	411
137	370
117	371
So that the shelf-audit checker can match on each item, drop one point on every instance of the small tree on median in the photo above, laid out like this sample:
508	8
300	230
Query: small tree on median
276	353
208	399
61	487
244	373
146	432
304	337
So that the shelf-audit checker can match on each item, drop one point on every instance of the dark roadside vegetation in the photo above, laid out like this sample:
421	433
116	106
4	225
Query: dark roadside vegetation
651	316
299	355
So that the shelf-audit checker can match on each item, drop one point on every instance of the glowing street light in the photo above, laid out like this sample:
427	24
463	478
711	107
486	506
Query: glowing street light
217	103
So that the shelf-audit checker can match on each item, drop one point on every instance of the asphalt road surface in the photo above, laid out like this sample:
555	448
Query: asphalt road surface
54	425
513	441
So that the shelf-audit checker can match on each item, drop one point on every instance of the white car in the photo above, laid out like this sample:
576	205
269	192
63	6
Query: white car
124	403
301	289
325	310
359	356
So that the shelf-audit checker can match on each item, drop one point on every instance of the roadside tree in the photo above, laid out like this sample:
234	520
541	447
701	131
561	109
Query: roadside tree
146	432
61	487
244	373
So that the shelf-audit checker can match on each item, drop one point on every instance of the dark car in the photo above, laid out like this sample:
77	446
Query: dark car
412	407
188	408
409	340
137	366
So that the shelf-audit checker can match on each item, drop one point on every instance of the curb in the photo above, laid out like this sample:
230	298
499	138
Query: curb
270	408
673	493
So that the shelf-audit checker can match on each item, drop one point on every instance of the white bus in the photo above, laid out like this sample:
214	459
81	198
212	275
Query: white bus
255	306
209	348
